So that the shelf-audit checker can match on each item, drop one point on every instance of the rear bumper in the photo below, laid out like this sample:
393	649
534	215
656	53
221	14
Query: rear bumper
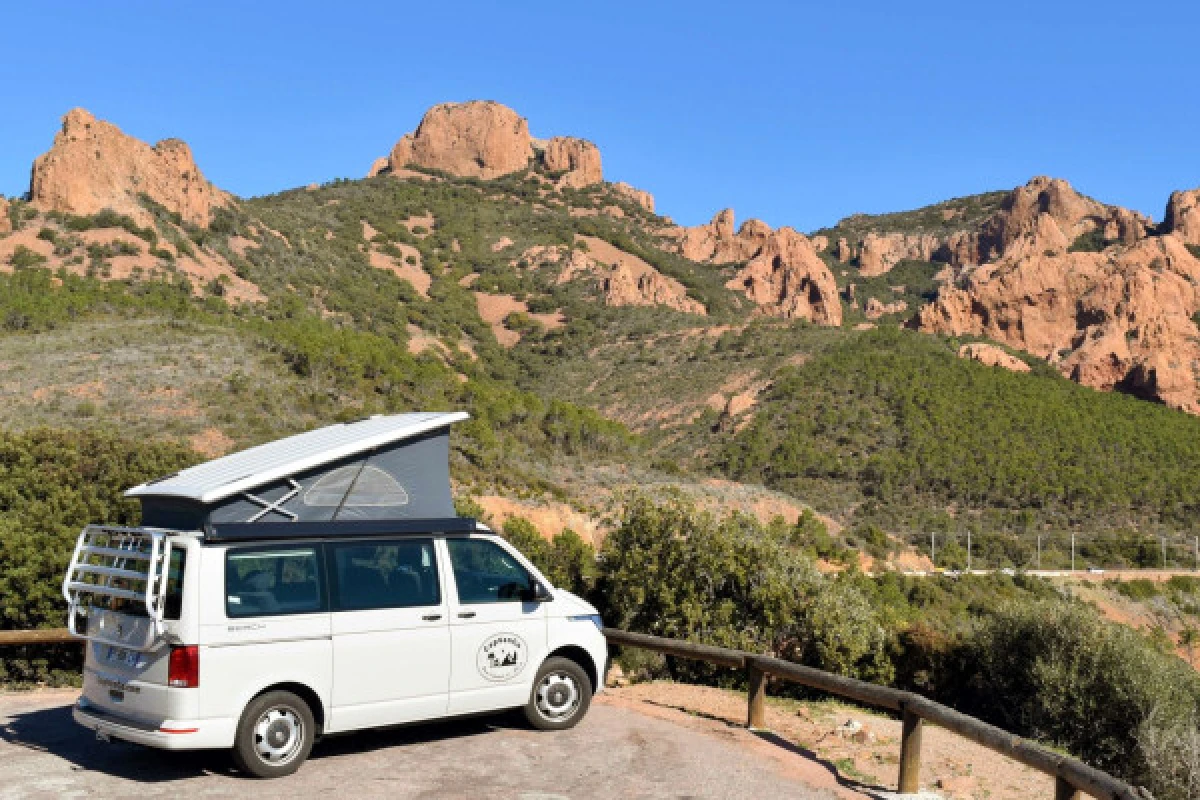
200	734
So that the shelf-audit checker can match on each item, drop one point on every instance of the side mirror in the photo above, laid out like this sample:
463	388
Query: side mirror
537	593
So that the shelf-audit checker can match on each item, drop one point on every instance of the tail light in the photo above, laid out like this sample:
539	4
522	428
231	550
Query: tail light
183	670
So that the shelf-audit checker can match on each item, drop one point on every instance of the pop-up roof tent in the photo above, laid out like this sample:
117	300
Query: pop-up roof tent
393	468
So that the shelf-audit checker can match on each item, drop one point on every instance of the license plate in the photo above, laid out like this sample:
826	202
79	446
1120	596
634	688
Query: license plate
119	655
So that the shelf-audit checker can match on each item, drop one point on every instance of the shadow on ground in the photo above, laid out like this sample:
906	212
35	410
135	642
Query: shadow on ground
53	731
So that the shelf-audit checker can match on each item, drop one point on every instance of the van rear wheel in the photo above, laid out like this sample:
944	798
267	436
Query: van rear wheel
274	735
561	695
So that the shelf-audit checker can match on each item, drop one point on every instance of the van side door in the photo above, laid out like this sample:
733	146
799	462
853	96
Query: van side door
264	619
391	635
498	636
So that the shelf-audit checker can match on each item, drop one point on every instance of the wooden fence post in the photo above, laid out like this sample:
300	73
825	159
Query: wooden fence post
910	754
1063	790
756	696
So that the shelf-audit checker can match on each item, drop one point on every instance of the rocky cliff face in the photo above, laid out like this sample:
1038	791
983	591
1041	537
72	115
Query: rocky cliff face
5	222
1045	213
1117	319
879	253
93	166
787	278
477	139
642	198
783	274
717	242
1183	216
577	159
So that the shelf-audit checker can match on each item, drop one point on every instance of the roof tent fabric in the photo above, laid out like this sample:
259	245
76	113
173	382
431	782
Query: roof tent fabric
393	468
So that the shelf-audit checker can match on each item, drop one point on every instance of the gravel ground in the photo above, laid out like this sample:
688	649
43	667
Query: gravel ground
616	752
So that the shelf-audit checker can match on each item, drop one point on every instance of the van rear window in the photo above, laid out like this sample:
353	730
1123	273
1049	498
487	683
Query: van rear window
174	599
272	581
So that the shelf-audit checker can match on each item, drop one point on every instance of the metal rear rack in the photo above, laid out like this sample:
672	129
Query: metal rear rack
116	585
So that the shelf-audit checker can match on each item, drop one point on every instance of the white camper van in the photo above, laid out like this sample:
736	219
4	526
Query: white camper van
316	585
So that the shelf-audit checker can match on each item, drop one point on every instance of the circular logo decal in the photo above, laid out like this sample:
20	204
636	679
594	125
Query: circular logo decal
502	657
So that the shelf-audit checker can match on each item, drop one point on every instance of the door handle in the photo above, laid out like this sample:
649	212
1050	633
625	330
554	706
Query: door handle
466	614
431	617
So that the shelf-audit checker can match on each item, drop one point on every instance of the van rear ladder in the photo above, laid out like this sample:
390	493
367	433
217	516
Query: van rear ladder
116	585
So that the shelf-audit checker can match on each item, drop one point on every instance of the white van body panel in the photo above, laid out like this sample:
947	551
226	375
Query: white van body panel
365	669
479	631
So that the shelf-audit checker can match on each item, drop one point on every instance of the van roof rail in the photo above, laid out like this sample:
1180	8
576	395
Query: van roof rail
221	532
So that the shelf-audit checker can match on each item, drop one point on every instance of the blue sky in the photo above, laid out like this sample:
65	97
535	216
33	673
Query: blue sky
795	113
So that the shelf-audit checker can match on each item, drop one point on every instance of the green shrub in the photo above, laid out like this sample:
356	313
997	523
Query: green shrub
1058	672
24	258
1092	241
52	483
672	571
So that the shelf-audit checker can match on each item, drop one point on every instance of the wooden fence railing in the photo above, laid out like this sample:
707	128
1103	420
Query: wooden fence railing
1071	775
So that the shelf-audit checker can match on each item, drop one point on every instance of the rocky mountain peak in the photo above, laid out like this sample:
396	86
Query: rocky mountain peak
93	165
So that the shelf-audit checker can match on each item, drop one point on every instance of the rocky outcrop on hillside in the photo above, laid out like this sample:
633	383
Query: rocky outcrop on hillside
1046	214
878	253
92	166
787	278
717	242
577	159
875	308
476	139
783	275
626	286
5	222
992	356
642	198
1183	216
1117	319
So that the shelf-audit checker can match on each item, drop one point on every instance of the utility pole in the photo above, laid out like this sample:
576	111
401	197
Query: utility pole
968	549
1072	551
933	548
1039	561
1198	553
1163	542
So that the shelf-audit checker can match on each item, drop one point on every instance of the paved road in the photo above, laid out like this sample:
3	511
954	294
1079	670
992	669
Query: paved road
614	753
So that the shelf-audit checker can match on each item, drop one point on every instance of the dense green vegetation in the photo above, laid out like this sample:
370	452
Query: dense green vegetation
960	213
52	483
1007	649
895	421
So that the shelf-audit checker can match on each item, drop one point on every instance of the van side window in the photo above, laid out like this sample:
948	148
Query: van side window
269	581
371	575
485	573
174	598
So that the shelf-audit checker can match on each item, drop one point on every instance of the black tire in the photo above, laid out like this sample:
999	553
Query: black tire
274	736
561	695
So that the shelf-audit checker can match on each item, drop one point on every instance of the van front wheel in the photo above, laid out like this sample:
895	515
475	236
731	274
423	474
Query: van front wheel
561	695
274	735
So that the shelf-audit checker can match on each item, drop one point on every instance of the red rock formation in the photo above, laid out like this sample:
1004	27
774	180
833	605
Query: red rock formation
874	308
717	242
1183	216
5	222
625	286
642	198
992	356
878	253
93	166
787	278
379	166
479	139
578	159
1121	318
